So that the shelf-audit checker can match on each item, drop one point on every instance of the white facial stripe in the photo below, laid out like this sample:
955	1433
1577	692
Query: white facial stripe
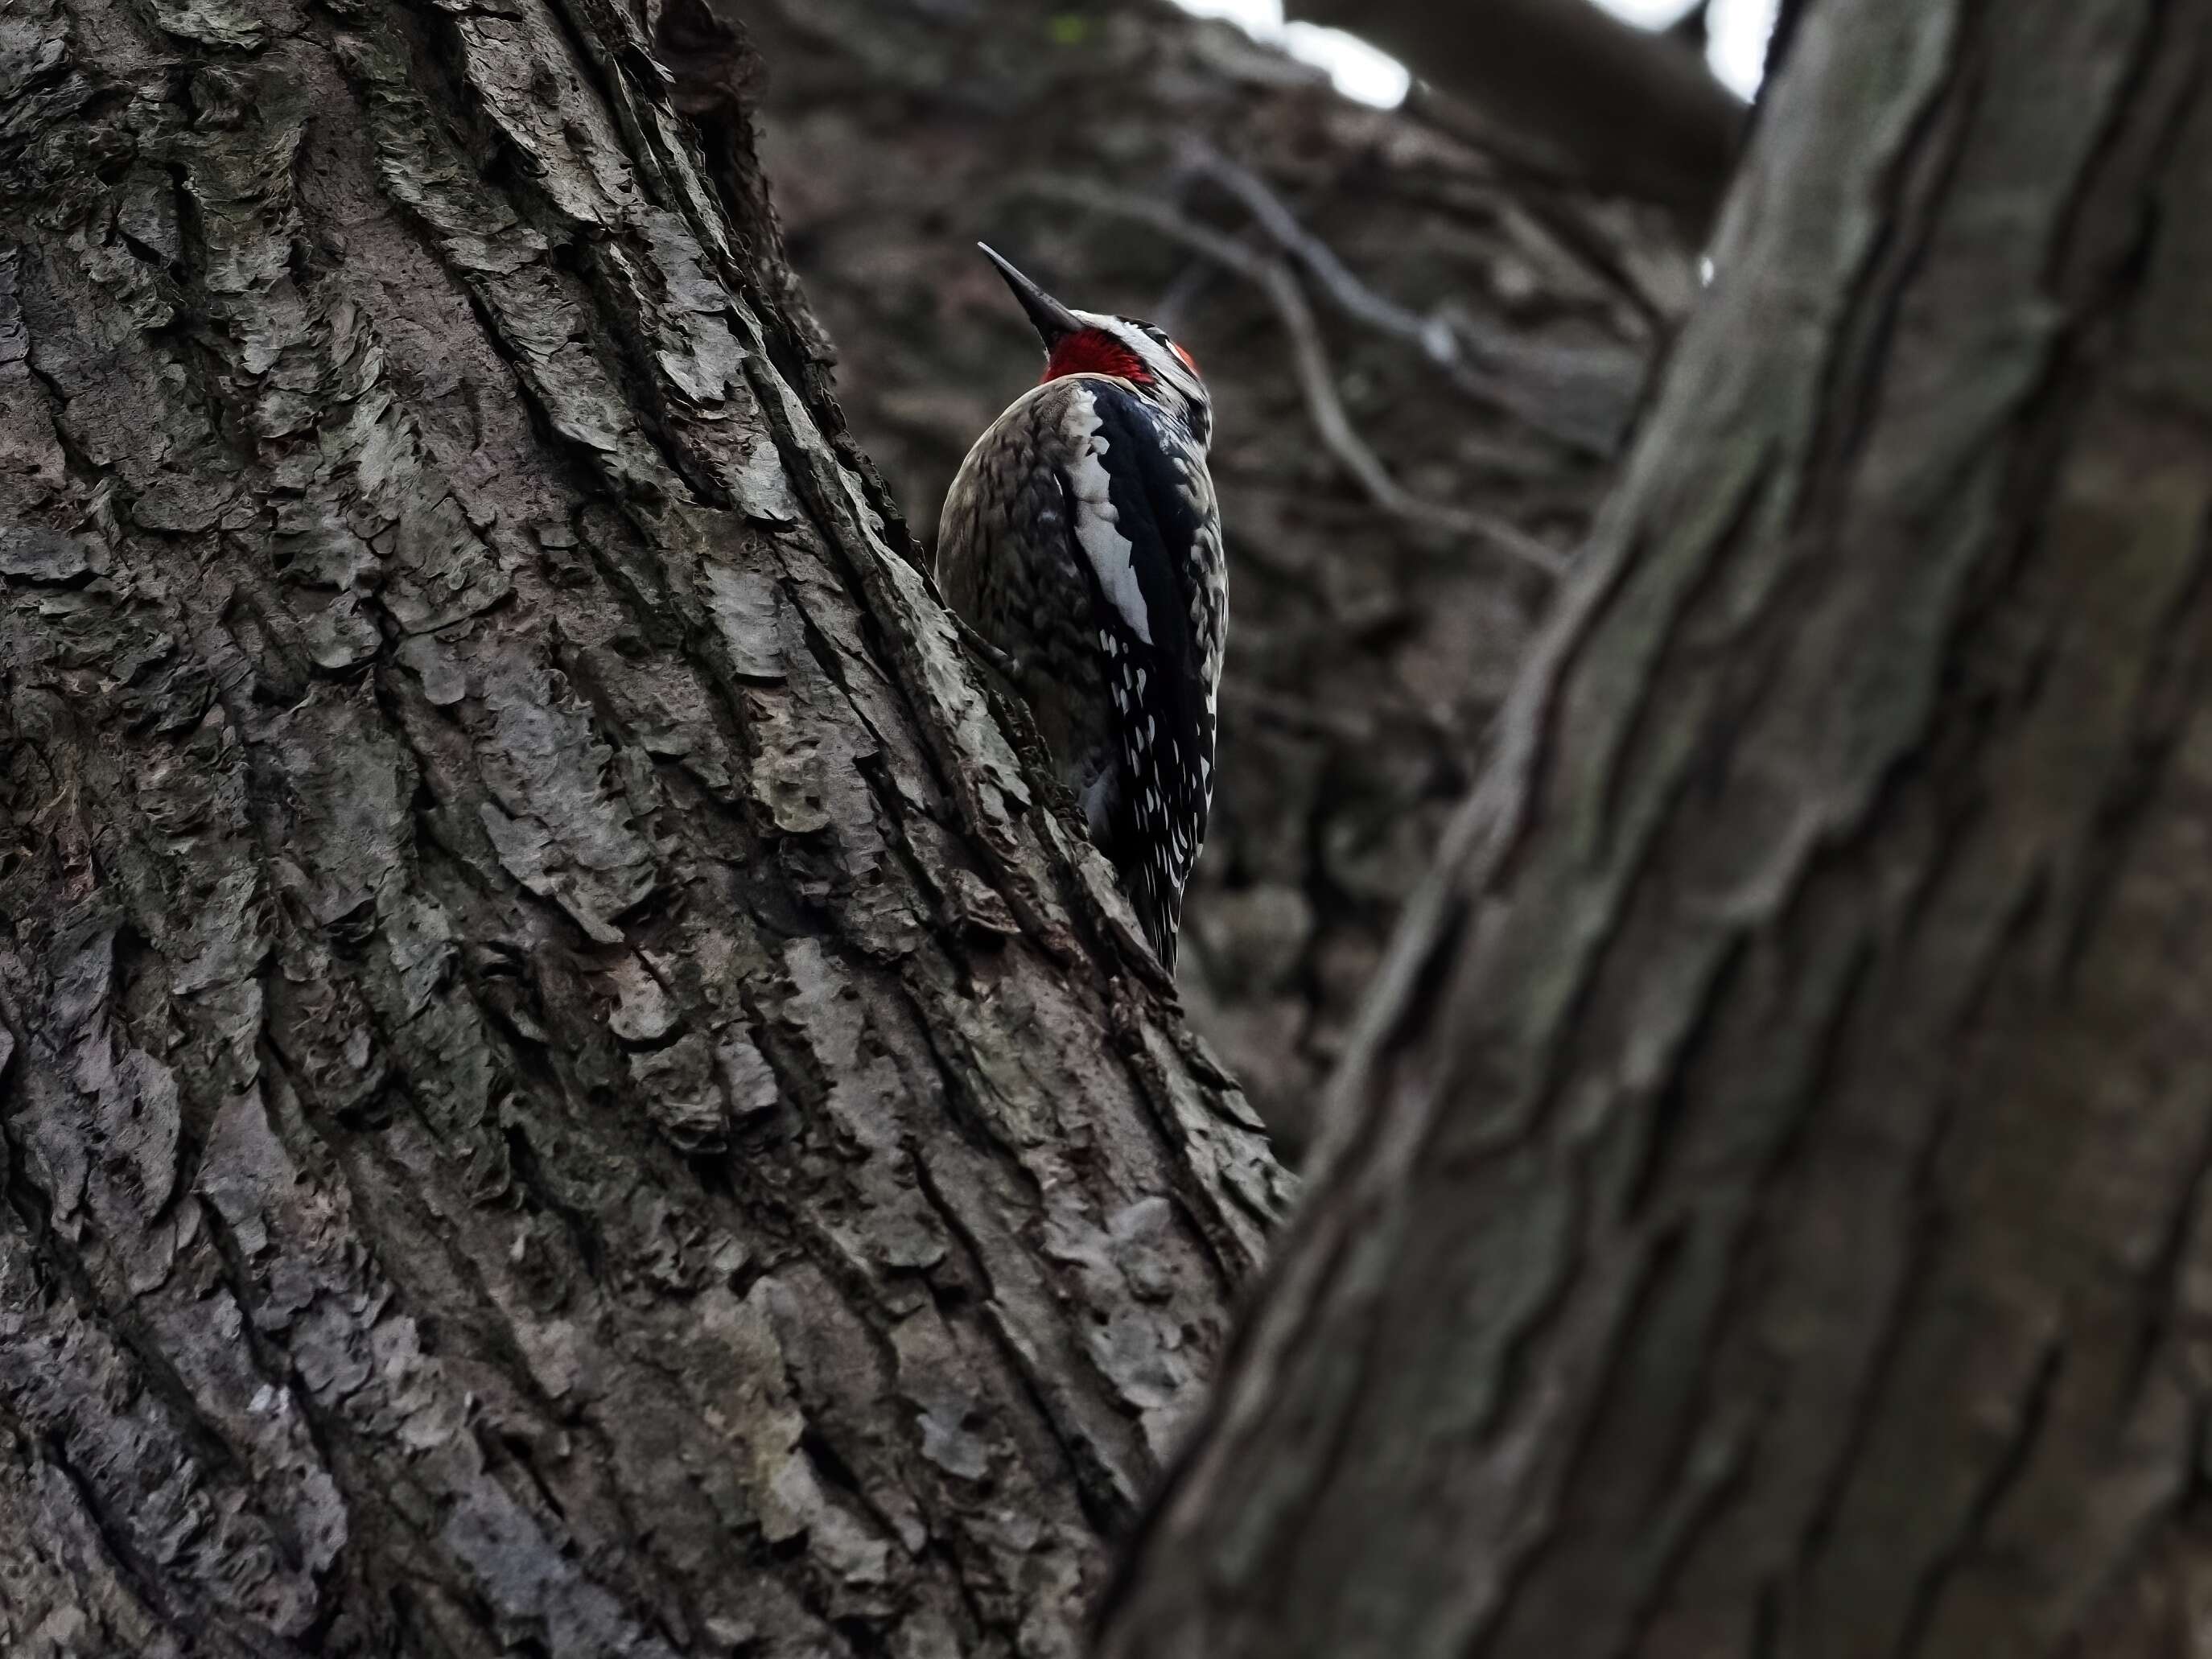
1161	360
1096	531
1166	366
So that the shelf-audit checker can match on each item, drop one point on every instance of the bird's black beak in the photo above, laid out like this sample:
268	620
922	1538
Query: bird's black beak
1051	318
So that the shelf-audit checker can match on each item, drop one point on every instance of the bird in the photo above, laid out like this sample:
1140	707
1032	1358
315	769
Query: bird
1080	542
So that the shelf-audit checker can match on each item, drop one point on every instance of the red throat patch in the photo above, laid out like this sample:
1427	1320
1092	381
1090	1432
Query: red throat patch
1094	351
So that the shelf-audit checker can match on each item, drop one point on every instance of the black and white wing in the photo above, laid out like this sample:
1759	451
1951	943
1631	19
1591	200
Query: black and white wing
1142	514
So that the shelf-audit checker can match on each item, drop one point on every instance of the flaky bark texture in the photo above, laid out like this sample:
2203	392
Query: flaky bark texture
1485	333
1766	1215
561	1093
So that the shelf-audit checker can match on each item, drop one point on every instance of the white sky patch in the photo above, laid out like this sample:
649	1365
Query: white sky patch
1360	72
1647	14
1736	44
1359	69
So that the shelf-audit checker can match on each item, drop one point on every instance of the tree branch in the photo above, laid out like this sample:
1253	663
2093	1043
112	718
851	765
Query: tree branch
1635	112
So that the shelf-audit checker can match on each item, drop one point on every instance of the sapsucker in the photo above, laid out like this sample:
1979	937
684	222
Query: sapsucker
1081	540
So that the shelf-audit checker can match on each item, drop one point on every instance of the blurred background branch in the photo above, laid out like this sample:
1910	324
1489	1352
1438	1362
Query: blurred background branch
1629	110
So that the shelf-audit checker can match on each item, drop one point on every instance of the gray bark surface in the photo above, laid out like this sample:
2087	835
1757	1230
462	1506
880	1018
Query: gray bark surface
1486	335
1764	1211
562	1091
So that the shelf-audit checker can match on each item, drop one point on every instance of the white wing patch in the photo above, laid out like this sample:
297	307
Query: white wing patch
1097	528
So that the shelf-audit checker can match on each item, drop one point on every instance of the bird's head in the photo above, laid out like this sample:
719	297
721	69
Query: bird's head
1125	348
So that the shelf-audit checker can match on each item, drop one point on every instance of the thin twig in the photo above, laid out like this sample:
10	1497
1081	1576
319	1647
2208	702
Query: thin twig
1316	377
1434	334
1336	429
1453	341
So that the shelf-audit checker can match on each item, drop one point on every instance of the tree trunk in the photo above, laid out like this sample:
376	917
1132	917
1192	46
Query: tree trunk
1765	1212
1485	333
563	1093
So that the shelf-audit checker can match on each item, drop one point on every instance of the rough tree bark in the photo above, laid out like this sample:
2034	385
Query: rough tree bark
1766	1210
1486	332
562	1092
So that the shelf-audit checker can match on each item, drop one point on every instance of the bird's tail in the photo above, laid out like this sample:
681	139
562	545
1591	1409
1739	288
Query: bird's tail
1157	902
